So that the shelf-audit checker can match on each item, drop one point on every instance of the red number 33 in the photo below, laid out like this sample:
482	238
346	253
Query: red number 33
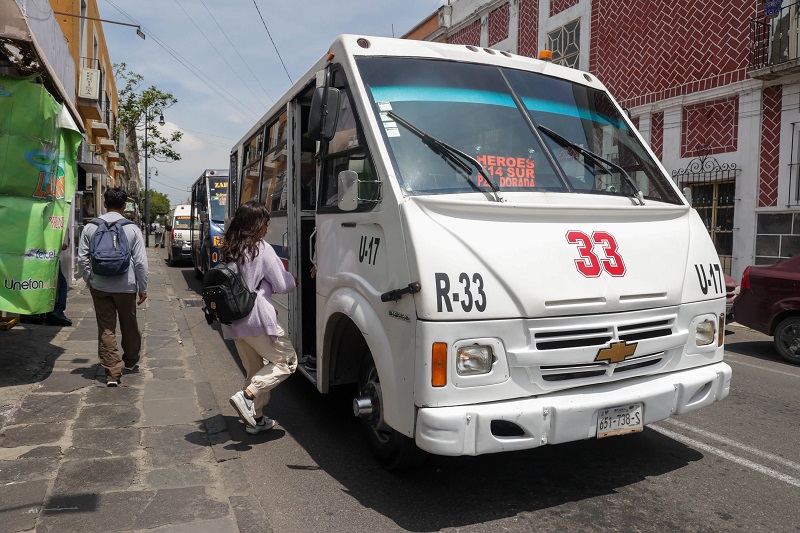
589	264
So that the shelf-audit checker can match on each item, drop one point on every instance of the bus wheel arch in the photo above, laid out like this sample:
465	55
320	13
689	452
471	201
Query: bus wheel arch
350	347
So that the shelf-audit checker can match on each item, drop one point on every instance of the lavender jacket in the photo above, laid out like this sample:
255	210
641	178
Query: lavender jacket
265	275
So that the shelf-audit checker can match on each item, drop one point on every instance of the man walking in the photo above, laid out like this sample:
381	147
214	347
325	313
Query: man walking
114	286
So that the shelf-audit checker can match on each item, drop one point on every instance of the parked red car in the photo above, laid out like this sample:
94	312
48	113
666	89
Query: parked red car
731	290
769	302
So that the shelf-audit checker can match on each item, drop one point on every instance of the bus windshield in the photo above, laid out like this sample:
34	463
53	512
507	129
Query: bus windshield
182	223
218	198
493	114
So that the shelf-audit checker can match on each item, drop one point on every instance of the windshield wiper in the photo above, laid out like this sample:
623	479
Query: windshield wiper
453	154
597	159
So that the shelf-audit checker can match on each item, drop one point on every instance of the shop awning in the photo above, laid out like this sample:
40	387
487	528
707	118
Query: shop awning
39	50
92	168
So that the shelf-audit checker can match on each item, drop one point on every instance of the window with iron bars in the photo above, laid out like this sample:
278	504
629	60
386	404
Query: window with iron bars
565	43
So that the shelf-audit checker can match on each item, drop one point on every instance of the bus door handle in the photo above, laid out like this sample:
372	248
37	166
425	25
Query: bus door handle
312	249
285	243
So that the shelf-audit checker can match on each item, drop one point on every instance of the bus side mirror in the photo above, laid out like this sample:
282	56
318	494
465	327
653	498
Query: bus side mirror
348	190
324	113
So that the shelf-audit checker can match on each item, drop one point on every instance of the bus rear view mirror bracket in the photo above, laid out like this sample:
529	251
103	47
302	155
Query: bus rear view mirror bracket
348	198
324	113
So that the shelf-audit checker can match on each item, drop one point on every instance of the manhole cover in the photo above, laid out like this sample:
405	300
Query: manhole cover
192	302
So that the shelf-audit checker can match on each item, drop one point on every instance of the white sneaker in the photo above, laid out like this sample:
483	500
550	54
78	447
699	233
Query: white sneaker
245	407
263	425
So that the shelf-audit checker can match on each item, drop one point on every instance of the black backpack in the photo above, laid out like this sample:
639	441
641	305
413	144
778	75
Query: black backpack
109	248
225	294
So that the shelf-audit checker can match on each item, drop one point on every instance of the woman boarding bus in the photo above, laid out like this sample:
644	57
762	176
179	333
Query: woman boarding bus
501	262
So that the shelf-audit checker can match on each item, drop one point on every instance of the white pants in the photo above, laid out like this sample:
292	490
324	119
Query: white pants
267	364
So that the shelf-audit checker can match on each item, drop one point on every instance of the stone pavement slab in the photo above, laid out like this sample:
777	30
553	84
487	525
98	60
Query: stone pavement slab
32	434
104	442
67	381
42	408
180	476
21	504
124	395
95	475
169	412
175	445
107	416
30	469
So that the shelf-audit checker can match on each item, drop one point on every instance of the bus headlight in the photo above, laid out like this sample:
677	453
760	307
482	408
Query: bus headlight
705	332
474	360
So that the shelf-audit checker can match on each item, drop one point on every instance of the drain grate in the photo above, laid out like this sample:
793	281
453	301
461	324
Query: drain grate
192	302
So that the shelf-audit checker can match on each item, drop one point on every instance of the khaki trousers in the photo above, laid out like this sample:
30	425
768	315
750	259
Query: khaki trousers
108	306
267	364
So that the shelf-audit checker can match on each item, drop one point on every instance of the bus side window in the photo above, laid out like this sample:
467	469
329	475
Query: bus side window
346	151
273	171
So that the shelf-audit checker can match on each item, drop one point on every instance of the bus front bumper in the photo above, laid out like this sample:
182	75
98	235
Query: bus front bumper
568	415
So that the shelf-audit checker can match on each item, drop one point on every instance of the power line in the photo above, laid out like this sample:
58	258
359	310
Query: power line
273	42
237	52
209	134
218	52
191	68
169	186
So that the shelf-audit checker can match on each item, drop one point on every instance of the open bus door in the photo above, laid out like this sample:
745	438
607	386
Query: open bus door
302	222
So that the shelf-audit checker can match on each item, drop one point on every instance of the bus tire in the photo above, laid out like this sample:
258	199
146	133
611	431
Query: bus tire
393	450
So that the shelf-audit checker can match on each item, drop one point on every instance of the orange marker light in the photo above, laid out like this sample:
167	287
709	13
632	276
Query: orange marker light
439	364
546	55
330	56
721	338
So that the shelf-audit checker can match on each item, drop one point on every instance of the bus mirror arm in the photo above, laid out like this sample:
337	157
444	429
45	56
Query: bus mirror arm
393	296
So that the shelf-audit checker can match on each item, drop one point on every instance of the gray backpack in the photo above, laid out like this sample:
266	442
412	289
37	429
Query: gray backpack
109	248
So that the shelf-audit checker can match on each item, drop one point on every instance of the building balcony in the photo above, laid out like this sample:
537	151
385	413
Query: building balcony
100	129
108	145
774	44
89	108
112	156
119	169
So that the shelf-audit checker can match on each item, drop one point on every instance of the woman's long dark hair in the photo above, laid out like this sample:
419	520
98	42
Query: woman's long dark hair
248	227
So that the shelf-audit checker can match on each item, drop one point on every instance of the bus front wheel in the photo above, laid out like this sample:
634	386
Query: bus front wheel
393	450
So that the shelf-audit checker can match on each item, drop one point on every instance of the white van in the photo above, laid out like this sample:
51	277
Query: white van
177	238
499	260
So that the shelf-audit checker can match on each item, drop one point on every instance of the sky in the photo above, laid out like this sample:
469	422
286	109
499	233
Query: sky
219	59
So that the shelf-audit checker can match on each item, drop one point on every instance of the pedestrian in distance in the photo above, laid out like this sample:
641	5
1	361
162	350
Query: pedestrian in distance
56	317
265	351
113	262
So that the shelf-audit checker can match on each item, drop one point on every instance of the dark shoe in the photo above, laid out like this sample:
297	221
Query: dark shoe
32	319
112	383
55	319
310	363
131	369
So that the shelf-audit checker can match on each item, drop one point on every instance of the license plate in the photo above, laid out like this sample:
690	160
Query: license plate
619	420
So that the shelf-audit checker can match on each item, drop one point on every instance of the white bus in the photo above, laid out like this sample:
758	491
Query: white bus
501	261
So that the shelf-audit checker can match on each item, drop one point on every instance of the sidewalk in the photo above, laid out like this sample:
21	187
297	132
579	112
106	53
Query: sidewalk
150	455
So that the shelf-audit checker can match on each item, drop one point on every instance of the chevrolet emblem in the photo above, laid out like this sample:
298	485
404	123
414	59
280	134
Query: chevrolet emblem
616	353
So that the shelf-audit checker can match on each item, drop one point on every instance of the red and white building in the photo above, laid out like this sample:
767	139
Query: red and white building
714	87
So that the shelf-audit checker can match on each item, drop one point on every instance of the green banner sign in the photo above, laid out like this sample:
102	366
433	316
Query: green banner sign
38	152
